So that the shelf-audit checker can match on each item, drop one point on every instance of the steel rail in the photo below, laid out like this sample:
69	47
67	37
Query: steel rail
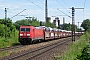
40	48
9	48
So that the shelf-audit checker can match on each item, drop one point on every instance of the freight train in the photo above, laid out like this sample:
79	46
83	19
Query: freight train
28	34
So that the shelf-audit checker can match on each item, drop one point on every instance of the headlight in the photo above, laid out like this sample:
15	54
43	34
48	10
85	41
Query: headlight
21	34
28	34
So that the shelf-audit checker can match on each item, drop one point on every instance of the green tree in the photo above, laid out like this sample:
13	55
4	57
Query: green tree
66	26
48	24
8	22
35	22
24	22
6	27
2	30
86	24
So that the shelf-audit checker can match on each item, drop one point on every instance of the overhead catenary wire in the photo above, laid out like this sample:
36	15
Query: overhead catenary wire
52	8
62	5
18	13
65	3
60	11
36	4
63	12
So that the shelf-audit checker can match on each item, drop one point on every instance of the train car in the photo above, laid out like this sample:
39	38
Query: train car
63	33
78	33
49	33
56	33
27	34
68	33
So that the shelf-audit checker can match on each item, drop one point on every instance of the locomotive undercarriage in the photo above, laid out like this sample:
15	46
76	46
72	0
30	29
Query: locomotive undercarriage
25	41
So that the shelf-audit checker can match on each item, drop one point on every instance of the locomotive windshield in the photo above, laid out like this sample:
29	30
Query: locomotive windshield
25	29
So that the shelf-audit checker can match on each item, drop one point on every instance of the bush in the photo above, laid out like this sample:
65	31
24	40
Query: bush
2	30
85	53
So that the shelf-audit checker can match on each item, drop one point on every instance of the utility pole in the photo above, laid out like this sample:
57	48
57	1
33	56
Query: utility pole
46	11
5	23
73	22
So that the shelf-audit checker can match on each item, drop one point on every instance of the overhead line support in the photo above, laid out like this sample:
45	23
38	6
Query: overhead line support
5	23
73	23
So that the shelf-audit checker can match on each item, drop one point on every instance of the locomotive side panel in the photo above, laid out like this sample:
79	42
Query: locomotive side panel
38	34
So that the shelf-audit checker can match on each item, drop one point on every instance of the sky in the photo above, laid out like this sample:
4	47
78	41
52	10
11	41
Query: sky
36	8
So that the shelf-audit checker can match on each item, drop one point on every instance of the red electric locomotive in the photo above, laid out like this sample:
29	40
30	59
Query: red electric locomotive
27	34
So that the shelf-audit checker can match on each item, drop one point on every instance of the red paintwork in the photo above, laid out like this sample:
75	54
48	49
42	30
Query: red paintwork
35	33
38	33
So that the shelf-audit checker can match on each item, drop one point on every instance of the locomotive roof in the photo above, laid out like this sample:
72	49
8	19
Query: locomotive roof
31	27
26	26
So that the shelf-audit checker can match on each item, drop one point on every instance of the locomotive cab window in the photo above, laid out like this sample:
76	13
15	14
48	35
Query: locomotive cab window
25	29
22	29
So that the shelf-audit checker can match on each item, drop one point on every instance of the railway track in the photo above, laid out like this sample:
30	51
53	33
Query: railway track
10	48
30	54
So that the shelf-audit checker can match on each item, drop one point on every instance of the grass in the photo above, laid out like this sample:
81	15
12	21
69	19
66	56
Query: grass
75	48
85	53
9	41
13	40
5	53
